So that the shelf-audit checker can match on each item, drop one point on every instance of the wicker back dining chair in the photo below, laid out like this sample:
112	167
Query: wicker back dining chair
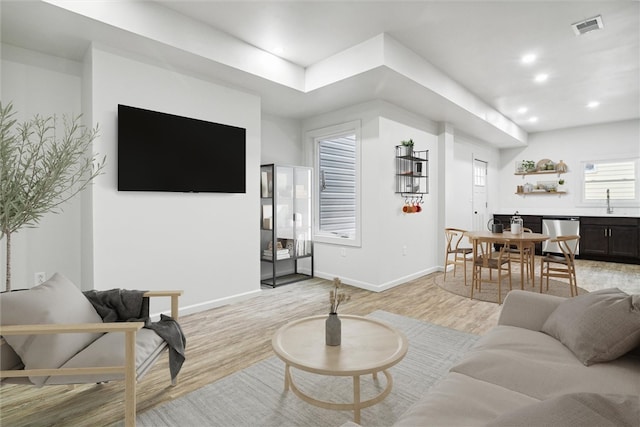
458	254
485	258
529	253
561	266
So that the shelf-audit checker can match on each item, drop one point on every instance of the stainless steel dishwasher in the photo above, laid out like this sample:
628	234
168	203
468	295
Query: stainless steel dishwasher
554	226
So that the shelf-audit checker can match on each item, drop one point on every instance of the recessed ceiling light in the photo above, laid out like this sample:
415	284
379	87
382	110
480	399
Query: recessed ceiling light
541	77
533	119
593	104
522	110
528	58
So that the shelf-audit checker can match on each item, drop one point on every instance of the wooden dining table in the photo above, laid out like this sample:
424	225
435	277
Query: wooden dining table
521	241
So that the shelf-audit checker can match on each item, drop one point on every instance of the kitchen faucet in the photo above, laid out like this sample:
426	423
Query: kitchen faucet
609	208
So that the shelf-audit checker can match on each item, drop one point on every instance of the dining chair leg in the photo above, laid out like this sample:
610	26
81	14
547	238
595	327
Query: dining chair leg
524	273
571	284
446	264
465	269
473	280
532	266
548	276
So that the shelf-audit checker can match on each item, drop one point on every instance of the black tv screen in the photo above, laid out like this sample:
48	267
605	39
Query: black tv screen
165	152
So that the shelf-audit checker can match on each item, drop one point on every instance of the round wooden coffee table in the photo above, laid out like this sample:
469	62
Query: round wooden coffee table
368	347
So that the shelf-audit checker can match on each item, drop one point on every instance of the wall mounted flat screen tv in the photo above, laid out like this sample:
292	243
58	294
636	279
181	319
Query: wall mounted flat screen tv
164	152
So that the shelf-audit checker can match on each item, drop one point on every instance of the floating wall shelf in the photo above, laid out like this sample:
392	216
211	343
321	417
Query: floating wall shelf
559	193
538	173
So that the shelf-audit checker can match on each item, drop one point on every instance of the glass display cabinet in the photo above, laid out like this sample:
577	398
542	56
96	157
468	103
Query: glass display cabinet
285	236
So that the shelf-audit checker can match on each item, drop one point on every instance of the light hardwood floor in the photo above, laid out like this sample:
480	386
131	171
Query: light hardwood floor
230	338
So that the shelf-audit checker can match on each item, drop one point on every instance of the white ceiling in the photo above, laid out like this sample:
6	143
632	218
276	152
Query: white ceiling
477	43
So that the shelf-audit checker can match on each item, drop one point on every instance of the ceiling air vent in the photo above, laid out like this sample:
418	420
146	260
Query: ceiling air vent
587	25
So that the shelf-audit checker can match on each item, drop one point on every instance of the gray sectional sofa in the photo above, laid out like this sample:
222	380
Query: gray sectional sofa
550	361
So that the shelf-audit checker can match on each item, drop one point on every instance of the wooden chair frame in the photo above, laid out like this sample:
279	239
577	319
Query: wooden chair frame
561	266
128	329
483	257
453	238
529	257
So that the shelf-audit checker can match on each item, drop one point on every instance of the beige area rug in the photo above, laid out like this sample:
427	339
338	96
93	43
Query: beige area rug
254	397
489	290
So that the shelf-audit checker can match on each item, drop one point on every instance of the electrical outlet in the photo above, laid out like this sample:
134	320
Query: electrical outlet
404	251
343	252
39	277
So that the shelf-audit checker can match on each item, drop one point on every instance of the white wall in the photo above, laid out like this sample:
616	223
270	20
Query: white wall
405	242
617	140
208	244
460	180
379	263
41	84
205	243
281	140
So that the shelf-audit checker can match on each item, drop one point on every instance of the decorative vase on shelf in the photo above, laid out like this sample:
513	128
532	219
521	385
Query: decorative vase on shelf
333	330
561	167
406	151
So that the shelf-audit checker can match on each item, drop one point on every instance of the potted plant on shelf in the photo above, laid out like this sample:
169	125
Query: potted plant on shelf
528	165
40	170
407	147
561	184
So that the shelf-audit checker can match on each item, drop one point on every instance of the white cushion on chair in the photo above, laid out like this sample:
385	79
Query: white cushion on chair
56	301
108	350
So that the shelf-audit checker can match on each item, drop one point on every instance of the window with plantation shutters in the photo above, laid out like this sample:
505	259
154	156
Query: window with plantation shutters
619	177
336	164
337	193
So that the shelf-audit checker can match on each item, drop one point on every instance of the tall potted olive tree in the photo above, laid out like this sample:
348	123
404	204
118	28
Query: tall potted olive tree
40	170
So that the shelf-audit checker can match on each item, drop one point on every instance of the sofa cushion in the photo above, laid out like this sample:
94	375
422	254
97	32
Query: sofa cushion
459	400
108	350
540	366
56	301
577	409
597	327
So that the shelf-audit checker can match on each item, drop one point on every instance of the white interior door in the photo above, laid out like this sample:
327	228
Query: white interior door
480	205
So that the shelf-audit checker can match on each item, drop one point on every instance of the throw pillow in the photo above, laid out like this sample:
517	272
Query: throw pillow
56	301
597	327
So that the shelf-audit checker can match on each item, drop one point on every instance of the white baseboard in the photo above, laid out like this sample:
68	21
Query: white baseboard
378	288
207	305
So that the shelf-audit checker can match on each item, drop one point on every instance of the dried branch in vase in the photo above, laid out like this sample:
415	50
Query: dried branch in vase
336	297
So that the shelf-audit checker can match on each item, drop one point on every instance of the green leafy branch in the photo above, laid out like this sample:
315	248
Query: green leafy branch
38	171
